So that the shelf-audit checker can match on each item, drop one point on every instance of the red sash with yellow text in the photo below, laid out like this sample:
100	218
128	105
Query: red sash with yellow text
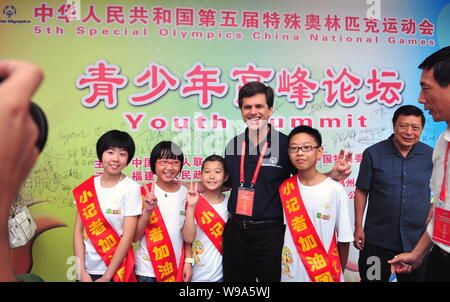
101	234
210	222
160	248
322	266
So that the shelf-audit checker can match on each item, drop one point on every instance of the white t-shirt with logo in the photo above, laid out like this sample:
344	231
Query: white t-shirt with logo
327	205
208	260
172	207
124	199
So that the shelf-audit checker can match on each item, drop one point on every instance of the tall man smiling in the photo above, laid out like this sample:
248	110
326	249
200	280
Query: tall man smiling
258	163
394	178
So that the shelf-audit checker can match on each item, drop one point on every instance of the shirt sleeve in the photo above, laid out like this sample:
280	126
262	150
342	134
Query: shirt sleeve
364	180
133	203
343	222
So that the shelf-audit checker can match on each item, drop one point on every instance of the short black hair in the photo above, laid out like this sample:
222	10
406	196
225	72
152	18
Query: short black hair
115	139
408	110
218	158
308	130
166	150
440	62
253	88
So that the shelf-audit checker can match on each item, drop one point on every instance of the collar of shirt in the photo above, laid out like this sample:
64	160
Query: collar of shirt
250	145
438	165
417	149
447	134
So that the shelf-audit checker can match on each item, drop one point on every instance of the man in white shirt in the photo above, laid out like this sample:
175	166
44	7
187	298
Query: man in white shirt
435	95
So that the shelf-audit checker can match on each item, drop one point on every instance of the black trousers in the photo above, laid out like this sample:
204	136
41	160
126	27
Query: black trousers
373	266
252	252
438	266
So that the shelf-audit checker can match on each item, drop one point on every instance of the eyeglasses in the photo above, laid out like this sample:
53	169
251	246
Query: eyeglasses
165	162
303	148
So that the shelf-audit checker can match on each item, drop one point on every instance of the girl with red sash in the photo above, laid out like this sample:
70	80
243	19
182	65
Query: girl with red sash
108	209
316	214
206	216
161	253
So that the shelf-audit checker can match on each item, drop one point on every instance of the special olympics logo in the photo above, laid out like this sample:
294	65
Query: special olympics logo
9	11
273	160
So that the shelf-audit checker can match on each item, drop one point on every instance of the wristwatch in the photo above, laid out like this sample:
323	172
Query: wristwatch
189	260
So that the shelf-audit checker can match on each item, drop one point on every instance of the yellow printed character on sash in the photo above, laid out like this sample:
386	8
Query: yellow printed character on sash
299	223
288	188
335	252
293	205
166	269
153	218
85	197
161	252
317	262
335	264
121	273
217	230
89	211
108	243
97	227
325	277
307	243
206	217
155	235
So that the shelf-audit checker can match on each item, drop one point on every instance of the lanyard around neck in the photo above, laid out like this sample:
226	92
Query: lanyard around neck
258	165
444	181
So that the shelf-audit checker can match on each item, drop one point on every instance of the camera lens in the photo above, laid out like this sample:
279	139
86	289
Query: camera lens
41	121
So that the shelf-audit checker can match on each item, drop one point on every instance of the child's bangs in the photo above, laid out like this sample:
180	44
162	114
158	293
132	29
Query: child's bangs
168	153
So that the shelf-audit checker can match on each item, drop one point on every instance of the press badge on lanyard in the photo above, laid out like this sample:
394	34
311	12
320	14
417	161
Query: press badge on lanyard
246	195
441	229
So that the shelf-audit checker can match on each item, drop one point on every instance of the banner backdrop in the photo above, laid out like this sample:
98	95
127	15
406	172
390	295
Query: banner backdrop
170	70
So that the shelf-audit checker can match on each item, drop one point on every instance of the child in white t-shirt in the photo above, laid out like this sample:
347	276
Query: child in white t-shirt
120	203
326	204
167	198
205	220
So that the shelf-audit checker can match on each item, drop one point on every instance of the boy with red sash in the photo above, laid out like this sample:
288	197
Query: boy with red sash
316	214
108	209
160	256
206	216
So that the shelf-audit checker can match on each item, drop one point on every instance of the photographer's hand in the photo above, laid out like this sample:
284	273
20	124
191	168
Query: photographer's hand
18	135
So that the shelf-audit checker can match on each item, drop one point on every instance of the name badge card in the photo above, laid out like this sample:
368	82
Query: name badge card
441	230
246	196
245	201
